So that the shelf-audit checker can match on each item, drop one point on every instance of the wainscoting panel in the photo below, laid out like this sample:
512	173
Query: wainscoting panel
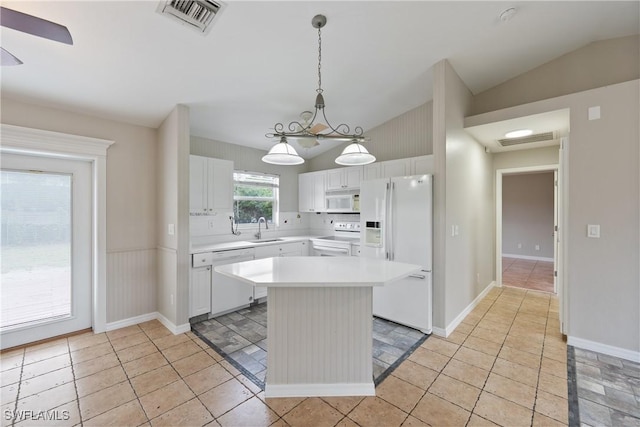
131	283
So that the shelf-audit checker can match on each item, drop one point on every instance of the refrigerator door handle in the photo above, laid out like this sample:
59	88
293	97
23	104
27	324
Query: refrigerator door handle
390	222
418	276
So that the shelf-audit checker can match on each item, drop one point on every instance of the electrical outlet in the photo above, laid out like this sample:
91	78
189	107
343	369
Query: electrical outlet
211	224
537	247
171	229
519	245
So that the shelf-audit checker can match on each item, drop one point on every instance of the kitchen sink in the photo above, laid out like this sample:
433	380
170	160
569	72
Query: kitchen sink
266	240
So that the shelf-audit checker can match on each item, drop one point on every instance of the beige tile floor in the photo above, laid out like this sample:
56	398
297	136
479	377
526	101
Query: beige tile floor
504	365
528	274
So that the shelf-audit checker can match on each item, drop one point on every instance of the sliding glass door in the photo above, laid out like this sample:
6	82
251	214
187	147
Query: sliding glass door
46	248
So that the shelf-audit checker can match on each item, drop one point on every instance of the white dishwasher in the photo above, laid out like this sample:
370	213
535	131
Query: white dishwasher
228	294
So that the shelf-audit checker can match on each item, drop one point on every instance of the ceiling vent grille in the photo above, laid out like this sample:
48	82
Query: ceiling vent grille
539	137
195	14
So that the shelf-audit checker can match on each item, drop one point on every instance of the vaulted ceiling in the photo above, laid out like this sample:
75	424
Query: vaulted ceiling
258	64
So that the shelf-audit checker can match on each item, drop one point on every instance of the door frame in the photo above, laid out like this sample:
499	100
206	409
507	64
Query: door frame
508	171
27	141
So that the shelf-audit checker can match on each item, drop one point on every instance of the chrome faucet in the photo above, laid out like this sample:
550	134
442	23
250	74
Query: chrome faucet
266	227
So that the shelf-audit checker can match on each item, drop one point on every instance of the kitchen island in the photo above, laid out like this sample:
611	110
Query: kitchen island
319	321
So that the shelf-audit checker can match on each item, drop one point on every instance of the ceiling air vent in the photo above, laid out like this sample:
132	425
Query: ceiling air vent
539	137
195	14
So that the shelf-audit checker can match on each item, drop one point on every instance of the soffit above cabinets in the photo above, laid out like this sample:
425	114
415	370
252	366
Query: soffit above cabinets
547	130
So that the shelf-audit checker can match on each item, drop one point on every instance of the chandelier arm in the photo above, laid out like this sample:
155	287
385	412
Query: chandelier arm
347	130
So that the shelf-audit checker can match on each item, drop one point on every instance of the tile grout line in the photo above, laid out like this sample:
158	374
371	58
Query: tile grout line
535	401
75	385
497	355
15	405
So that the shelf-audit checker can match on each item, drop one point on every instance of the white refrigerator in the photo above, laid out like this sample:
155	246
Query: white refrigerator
396	224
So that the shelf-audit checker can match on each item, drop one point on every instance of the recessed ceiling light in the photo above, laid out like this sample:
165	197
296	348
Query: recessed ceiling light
518	133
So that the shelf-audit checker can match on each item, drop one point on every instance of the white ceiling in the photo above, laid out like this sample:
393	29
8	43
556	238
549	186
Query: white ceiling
257	65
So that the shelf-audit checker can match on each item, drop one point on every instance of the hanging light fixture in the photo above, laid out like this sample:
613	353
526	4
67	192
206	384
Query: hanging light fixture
312	132
282	154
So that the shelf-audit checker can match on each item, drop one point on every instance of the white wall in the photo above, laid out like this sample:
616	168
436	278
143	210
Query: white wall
408	135
597	64
468	205
523	158
604	188
131	200
173	208
528	214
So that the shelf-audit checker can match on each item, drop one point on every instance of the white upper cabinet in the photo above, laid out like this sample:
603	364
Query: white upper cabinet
311	190
387	169
344	178
422	164
399	167
210	185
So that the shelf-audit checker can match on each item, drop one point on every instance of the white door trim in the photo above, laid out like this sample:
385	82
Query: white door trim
21	140
499	174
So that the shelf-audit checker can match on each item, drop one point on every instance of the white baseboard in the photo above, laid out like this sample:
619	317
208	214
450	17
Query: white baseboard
460	317
609	350
316	390
179	329
175	329
131	321
533	258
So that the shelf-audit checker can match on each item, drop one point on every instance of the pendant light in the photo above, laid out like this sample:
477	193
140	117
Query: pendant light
282	154
308	129
355	154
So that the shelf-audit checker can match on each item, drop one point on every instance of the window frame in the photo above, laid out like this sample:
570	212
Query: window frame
276	197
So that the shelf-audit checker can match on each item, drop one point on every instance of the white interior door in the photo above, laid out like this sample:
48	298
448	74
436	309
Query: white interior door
46	248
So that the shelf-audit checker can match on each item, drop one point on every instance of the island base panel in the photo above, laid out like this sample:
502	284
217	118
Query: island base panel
320	342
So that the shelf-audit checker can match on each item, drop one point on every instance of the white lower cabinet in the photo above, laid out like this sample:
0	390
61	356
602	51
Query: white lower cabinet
200	291
282	249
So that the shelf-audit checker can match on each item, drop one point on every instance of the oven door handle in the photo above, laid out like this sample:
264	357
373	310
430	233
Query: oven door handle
330	249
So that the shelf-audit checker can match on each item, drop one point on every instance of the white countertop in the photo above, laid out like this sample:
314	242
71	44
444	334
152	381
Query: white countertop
242	244
318	271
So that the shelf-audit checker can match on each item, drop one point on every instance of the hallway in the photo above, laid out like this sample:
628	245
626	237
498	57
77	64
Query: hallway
528	274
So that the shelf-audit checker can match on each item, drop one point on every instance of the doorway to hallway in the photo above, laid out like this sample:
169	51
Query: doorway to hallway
528	274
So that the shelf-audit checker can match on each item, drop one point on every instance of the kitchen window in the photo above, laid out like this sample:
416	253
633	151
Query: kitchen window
255	195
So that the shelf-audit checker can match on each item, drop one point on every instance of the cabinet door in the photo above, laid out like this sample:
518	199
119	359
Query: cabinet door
400	167
335	180
305	192
373	171
200	291
220	185
293	249
229	294
352	177
267	251
197	184
421	165
319	186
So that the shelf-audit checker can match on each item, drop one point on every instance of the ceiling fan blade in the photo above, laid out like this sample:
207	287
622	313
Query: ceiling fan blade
317	128
33	25
8	59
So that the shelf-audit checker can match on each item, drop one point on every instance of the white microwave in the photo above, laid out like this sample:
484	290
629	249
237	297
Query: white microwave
342	203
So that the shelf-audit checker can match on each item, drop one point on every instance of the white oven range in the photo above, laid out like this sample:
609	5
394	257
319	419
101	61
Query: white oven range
345	233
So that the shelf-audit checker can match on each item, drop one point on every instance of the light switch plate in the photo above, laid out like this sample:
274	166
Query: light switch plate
171	229
593	231
594	113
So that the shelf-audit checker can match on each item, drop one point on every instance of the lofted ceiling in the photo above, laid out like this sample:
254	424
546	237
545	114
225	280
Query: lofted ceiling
257	65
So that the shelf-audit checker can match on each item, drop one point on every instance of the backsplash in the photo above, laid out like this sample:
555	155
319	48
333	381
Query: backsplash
212	229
